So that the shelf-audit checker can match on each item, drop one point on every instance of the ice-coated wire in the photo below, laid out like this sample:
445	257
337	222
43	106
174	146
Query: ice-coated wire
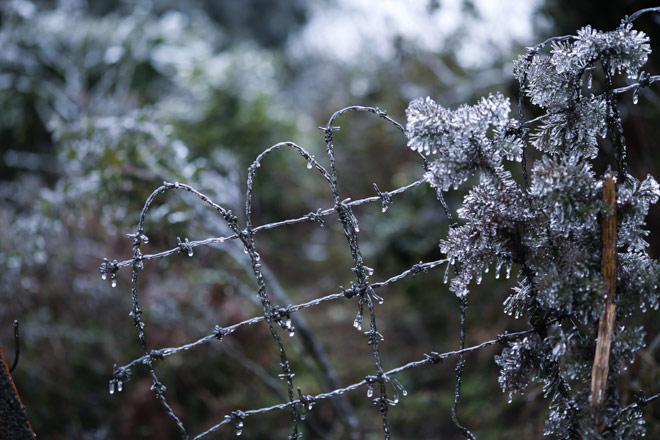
362	291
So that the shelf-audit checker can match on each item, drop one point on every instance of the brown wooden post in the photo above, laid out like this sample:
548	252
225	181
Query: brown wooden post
606	325
14	423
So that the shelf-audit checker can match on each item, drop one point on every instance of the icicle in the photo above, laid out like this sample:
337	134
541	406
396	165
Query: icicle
370	390
120	386
590	78
358	320
377	297
111	387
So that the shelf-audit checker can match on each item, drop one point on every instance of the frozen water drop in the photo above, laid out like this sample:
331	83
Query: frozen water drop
370	391
145	239
292	333
239	432
120	386
239	425
176	184
590	80
111	387
257	257
245	251
288	323
104	276
357	324
309	165
635	97
309	406
190	251
385	207
114	282
404	392
258	165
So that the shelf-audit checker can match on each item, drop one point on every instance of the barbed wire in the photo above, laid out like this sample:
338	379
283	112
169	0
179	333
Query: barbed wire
364	292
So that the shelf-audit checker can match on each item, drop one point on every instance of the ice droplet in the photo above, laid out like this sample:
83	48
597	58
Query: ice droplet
370	270
239	425
288	323
145	239
258	165
309	164
176	184
239	432
114	282
245	251
357	323
111	387
590	79
370	390
635	97
190	251
104	276
292	333
120	386
385	207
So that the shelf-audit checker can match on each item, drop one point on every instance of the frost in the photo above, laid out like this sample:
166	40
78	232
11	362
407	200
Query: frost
461	140
548	228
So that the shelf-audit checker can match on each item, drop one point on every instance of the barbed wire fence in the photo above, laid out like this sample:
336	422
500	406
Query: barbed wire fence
381	387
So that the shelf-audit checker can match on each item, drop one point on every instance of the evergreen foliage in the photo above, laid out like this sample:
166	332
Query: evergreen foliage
549	228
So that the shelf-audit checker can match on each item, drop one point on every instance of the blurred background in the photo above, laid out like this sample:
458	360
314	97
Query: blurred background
102	101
